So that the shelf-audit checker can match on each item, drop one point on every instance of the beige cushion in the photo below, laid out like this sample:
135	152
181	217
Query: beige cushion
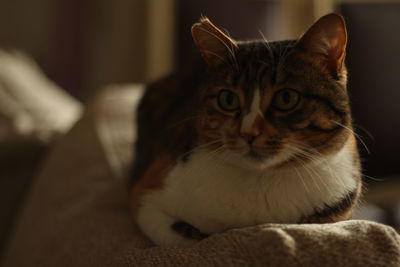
78	215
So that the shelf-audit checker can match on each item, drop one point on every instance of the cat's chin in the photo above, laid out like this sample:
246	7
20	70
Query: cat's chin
254	161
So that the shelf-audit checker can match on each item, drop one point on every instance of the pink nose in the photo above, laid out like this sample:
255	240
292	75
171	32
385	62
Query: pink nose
250	135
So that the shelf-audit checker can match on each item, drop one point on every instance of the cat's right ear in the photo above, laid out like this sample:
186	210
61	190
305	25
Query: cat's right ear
326	42
215	46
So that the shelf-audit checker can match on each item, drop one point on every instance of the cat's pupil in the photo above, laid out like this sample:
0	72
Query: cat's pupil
286	97
229	98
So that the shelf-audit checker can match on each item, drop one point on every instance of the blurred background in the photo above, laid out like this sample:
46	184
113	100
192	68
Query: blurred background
83	45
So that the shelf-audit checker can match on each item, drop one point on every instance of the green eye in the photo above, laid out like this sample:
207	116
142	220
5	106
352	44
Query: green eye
286	99
228	100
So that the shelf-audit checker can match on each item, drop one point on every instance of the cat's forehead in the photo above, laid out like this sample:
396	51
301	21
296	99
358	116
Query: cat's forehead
257	63
268	52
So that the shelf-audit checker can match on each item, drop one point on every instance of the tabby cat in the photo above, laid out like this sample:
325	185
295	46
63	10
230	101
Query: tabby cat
260	133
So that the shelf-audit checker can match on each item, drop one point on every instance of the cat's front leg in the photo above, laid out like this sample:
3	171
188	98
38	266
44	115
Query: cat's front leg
164	229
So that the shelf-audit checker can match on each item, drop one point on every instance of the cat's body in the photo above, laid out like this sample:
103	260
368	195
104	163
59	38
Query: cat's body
262	136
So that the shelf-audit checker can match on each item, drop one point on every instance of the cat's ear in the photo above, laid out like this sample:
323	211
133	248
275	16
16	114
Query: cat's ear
215	46
326	41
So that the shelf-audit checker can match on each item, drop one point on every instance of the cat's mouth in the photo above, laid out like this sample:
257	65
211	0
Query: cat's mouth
267	157
255	158
252	154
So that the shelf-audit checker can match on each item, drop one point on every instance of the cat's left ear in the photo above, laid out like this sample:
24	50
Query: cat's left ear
326	41
215	46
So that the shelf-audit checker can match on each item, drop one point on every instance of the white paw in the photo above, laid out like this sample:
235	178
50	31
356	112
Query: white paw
157	226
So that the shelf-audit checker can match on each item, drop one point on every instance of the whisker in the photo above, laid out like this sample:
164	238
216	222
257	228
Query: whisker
315	160
301	179
311	175
306	151
368	133
199	169
234	55
202	146
355	134
266	42
283	54
332	173
373	178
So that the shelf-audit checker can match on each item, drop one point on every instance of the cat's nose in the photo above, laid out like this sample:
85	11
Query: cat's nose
250	136
251	128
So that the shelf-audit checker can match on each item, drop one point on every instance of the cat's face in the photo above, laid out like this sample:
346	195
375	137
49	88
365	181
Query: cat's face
270	104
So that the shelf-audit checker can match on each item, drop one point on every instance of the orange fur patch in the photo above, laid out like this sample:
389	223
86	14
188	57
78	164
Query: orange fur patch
152	179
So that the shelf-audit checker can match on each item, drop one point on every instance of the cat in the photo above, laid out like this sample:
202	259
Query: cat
259	132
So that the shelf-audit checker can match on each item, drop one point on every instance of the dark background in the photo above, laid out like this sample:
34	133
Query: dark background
374	81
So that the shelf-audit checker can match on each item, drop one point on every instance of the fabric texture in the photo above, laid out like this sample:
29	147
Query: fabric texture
77	213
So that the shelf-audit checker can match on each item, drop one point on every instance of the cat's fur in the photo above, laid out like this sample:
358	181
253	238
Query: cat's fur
202	169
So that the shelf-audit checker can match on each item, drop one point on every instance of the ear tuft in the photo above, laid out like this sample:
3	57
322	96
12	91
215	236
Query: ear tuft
326	40
215	46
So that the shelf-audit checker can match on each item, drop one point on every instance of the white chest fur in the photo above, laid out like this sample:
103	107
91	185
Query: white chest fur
214	196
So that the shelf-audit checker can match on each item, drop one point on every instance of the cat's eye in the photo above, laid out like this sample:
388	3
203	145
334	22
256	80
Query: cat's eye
228	100
286	99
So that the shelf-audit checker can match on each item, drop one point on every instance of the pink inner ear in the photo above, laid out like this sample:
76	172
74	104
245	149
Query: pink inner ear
328	37
215	46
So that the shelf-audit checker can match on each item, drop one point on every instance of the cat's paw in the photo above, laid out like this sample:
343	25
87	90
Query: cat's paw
164	229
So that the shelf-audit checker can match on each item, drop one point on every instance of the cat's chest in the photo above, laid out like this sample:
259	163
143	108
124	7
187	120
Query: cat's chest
215	196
